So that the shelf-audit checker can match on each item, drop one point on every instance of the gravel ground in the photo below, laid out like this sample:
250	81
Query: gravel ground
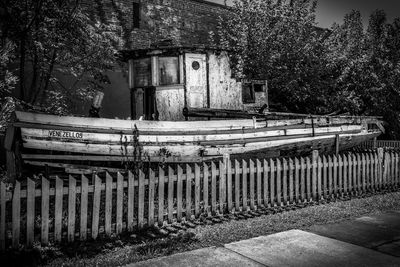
219	234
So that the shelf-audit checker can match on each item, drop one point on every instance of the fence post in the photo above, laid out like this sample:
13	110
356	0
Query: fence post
380	166
314	174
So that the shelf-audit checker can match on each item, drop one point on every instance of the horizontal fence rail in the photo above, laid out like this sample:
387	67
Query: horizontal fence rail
86	207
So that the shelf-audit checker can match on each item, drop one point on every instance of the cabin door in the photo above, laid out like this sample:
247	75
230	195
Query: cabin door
196	80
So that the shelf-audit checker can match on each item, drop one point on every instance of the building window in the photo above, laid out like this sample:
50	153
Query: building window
136	13
168	69
248	93
142	72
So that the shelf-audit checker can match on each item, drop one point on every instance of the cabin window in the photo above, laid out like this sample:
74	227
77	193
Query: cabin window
142	72
258	88
248	93
168	69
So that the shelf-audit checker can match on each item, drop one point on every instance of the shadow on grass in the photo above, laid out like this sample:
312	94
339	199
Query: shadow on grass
139	246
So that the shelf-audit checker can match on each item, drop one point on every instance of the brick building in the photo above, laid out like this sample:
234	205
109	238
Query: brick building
145	22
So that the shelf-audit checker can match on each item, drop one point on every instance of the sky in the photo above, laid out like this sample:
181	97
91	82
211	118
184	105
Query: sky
330	11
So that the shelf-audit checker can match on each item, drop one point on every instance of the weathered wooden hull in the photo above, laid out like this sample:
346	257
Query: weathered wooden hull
47	137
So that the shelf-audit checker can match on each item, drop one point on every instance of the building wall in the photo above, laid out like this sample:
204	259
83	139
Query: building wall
184	22
225	92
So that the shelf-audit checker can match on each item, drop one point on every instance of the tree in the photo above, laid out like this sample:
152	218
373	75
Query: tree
365	67
54	38
279	41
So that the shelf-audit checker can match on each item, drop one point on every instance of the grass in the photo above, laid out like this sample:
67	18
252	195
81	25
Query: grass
129	249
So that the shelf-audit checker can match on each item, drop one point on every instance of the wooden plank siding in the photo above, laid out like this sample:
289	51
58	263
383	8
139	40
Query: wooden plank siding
88	206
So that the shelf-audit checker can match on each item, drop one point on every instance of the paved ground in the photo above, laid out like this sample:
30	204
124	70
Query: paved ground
365	241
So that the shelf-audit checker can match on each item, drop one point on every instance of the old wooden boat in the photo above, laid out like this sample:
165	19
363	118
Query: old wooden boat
193	110
68	142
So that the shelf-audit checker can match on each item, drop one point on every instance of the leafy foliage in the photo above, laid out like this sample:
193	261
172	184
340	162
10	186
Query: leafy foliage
310	70
278	41
53	40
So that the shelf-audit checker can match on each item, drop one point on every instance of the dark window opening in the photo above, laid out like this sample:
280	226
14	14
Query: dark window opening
248	94
142	72
258	88
136	14
168	68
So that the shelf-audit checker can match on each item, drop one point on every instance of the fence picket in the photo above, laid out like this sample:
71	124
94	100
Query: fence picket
189	177
161	189
359	173
179	197
205	186
96	207
303	179
131	201
252	195
319	178
213	187
340	175
284	181
373	173
355	174
335	175
229	183
330	176
197	190
314	174
58	210
393	169
367	172
244	185
120	203
378	173
84	207
45	206
345	175
380	167
278	182
16	214
152	181
3	216
71	208
325	177
265	183
170	194
141	199
350	173
296	180
222	185
30	212
237	185
364	173
396	174
308	178
291	185
108	205
259	170
272	182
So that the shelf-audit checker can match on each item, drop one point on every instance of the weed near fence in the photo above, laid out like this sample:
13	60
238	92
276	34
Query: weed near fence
82	207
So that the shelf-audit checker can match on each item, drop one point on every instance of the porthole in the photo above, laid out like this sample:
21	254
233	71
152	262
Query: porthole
195	65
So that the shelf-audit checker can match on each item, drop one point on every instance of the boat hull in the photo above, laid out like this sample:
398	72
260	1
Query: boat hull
53	138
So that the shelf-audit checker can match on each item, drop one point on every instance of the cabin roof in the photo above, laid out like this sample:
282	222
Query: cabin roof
125	55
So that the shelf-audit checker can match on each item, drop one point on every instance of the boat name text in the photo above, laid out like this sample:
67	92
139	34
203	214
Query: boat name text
66	134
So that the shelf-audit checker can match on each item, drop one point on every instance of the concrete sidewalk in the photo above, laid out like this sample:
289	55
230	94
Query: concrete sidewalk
365	241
